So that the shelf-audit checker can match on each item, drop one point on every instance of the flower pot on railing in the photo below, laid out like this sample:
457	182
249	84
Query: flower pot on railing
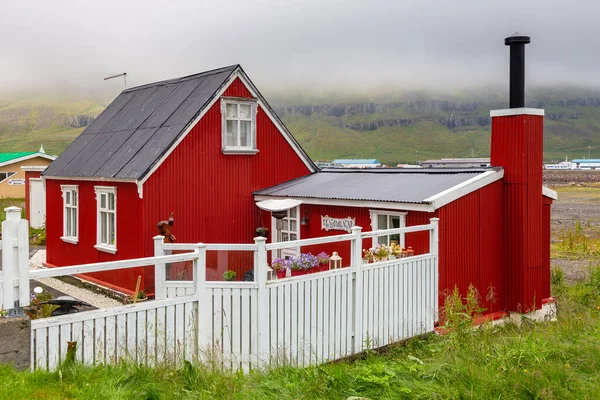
298	272
281	273
323	267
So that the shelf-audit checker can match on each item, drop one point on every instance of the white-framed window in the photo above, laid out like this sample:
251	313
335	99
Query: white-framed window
5	175
290	230
70	194
106	218
239	125
381	219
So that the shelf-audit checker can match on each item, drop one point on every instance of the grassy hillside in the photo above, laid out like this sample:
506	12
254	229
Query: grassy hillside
392	126
29	121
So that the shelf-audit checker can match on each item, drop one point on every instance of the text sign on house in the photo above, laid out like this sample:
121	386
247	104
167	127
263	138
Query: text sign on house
342	224
16	182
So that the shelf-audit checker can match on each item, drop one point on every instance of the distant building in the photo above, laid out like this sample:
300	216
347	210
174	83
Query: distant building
457	163
585	164
12	177
356	163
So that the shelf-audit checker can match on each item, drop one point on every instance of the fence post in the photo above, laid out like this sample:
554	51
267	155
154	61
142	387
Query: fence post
15	262
358	287
159	269
433	249
204	326
260	277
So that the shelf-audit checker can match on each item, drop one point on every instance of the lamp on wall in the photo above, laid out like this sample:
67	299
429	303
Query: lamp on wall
304	220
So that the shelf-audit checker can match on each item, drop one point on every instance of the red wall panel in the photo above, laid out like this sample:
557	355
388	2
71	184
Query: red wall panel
129	238
210	192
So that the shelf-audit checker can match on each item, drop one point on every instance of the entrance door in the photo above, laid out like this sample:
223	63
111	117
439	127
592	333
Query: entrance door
37	202
290	230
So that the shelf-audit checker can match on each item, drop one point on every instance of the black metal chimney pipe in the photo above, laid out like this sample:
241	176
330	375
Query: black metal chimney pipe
517	69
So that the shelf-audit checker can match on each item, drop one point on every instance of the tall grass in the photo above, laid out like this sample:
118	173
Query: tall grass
559	360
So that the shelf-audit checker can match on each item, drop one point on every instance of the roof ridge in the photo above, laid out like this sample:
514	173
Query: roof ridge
182	79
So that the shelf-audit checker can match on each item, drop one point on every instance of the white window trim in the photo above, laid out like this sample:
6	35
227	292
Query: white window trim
248	150
375	223
102	246
286	252
65	237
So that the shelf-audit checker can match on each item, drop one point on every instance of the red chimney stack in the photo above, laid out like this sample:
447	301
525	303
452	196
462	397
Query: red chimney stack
517	145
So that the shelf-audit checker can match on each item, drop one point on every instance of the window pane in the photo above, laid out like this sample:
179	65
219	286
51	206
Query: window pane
284	237
74	218
111	228
102	200
231	133
284	225
74	197
293	227
395	222
293	212
382	240
111	201
245	133
68	197
382	222
245	111
293	236
103	227
231	111
69	223
2	176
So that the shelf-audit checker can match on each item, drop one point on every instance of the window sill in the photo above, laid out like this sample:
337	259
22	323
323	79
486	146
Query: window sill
106	249
249	152
69	239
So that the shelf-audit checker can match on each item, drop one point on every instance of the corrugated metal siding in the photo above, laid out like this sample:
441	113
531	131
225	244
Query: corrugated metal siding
211	193
129	237
517	145
29	175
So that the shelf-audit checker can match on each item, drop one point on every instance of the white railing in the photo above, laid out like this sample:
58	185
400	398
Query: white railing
302	320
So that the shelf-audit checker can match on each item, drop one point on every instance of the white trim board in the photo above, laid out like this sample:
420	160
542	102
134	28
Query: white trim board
546	191
38	168
24	158
384	205
517	111
464	188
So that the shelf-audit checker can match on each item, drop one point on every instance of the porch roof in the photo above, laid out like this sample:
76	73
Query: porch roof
429	187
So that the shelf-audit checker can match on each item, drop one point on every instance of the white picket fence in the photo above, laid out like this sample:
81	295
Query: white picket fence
302	320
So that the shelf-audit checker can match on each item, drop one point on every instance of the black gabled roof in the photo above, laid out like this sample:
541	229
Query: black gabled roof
131	135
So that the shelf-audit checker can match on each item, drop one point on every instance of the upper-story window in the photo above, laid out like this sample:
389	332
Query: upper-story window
239	125
106	219
70	196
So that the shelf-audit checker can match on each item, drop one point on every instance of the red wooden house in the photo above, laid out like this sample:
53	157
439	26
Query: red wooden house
208	146
198	146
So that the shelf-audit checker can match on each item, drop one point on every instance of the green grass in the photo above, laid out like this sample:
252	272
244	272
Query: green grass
559	360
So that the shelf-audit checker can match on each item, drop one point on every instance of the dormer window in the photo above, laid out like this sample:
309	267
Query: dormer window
239	126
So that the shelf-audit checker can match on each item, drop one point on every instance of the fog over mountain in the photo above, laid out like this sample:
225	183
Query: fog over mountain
313	44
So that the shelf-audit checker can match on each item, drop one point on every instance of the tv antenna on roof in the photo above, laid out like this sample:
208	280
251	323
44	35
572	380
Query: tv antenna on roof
124	75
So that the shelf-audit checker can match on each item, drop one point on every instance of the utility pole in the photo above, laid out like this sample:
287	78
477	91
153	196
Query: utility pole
589	147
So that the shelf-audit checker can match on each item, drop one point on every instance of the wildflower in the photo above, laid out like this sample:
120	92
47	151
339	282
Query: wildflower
525	371
567	365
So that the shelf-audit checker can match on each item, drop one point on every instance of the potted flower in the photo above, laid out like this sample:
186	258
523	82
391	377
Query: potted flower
280	266
296	266
229	275
395	251
262	231
141	296
368	256
311	262
323	261
381	252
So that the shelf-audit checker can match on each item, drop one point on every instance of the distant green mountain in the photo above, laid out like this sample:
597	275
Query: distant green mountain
394	127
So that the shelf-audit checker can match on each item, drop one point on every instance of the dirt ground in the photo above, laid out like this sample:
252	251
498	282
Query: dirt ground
575	219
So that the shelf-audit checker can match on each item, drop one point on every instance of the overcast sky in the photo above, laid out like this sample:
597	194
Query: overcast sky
285	43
